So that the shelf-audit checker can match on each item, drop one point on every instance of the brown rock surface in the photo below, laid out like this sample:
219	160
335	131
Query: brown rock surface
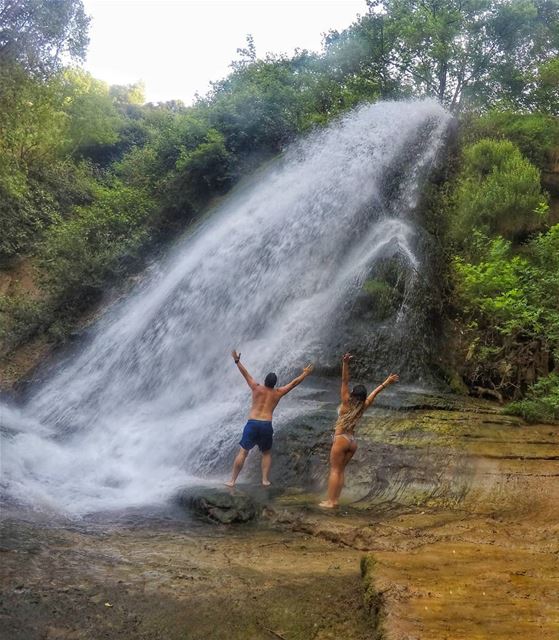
459	510
472	554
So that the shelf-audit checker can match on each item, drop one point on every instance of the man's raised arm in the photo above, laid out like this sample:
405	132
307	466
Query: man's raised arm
287	388
246	375
392	378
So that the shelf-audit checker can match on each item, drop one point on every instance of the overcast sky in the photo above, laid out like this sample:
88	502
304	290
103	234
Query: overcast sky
178	46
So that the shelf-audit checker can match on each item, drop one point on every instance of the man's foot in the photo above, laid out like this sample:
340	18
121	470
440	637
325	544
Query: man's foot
230	484
266	483
327	504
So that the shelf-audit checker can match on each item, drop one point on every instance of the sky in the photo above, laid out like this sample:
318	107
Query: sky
176	47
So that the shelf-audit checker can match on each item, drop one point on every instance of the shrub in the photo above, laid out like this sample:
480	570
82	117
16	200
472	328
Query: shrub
80	255
25	213
541	403
497	192
205	170
535	134
20	319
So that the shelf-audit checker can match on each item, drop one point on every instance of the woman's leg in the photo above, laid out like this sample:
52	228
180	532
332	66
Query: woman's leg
352	448
336	477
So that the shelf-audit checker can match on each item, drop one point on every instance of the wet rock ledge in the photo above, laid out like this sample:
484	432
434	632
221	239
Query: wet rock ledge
221	505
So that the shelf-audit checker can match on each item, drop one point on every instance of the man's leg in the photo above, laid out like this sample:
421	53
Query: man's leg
266	466
237	466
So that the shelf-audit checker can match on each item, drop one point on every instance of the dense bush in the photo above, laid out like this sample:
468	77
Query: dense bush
535	134
20	319
498	191
80	255
509	312
541	403
504	275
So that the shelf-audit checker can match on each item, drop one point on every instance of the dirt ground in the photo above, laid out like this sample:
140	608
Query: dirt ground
470	550
154	580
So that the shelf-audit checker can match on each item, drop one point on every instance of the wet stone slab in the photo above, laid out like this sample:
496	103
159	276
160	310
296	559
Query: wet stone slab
221	505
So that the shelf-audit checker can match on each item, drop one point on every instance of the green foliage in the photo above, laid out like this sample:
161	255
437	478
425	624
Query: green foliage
37	184
24	214
129	94
497	192
92	117
508	305
205	170
543	274
535	134
494	289
80	255
257	107
541	403
504	275
20	319
464	52
264	103
32	122
545	95
38	34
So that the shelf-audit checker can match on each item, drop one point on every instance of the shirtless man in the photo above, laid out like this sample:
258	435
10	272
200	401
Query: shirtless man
258	430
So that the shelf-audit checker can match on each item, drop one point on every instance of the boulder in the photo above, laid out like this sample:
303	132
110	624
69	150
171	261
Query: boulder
220	505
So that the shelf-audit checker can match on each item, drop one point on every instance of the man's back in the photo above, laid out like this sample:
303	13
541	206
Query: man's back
264	401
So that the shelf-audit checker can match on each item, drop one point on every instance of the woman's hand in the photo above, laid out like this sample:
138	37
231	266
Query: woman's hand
236	356
308	369
392	378
347	357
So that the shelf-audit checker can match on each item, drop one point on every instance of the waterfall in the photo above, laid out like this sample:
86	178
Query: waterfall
154	399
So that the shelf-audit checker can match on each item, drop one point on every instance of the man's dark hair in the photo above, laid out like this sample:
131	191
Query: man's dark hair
270	380
359	392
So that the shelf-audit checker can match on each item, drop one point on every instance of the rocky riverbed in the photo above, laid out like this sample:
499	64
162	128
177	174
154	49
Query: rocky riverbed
450	529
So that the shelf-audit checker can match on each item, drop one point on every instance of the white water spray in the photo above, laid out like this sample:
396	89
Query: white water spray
154	397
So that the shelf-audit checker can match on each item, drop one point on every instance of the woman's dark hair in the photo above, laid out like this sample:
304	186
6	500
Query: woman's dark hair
270	380
359	392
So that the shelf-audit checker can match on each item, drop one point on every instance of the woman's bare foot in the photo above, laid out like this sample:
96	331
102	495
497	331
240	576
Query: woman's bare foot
266	483
230	484
327	504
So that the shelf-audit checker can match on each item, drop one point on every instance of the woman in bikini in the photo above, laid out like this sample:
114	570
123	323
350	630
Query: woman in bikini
353	406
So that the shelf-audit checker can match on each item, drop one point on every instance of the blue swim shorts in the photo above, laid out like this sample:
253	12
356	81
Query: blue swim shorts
257	432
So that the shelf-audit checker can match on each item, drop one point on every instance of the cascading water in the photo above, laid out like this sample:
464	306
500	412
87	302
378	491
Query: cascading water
153	399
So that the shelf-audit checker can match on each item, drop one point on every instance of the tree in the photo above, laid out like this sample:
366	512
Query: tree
32	122
463	52
93	120
38	34
544	90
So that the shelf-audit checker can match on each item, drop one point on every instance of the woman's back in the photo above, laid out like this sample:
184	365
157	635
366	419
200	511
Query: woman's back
348	416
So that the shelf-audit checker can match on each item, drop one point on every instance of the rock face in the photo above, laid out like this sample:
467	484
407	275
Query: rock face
220	505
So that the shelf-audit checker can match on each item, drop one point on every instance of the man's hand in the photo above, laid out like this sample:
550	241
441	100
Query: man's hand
308	369
347	357
236	356
392	378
